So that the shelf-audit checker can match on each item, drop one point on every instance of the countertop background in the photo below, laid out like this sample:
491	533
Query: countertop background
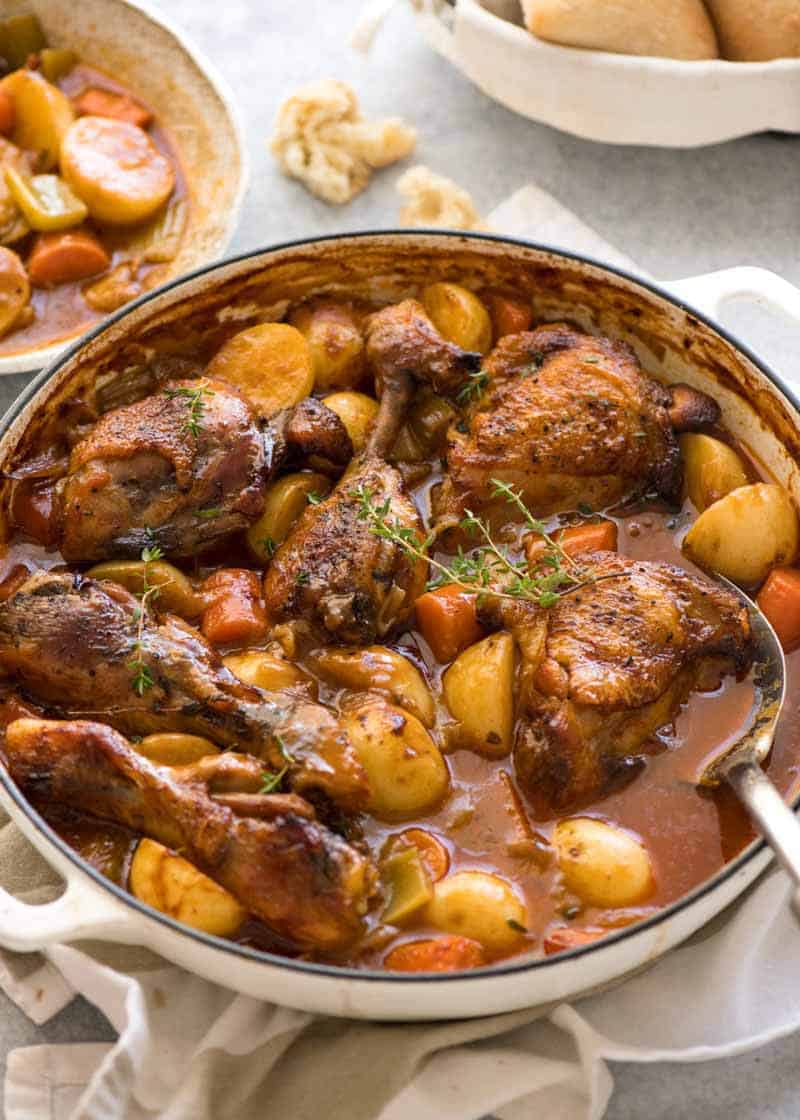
676	213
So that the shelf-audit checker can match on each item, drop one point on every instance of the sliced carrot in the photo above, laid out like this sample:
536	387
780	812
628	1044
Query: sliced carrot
448	621
779	599
560	940
592	536
7	112
432	851
438	954
61	258
118	106
509	314
235	615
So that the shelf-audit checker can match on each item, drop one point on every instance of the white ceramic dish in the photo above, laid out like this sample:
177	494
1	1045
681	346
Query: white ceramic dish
614	98
135	44
671	337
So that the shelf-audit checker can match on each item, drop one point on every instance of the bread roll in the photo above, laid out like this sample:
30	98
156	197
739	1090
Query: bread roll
664	28
754	32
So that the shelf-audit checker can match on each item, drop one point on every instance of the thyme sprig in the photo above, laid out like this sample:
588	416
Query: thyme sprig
272	779
472	388
142	677
195	404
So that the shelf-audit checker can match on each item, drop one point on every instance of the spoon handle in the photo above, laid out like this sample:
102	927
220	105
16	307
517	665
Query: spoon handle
772	815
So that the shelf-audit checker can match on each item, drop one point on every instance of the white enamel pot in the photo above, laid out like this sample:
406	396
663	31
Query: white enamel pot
670	328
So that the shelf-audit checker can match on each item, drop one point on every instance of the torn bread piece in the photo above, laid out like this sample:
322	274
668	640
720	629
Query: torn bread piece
322	139
434	200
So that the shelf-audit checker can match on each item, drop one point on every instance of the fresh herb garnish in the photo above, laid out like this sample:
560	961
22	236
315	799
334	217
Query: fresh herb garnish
142	678
313	498
273	778
512	923
302	578
269	546
195	405
208	514
473	387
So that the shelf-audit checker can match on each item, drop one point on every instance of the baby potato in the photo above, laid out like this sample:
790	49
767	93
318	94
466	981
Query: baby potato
15	289
270	364
407	774
357	412
480	906
172	748
285	501
479	691
711	469
171	884
116	169
42	115
601	863
459	315
175	593
381	670
265	670
335	341
744	534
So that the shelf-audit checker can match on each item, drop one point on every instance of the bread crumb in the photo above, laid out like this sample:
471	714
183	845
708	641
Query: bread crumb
322	139
434	200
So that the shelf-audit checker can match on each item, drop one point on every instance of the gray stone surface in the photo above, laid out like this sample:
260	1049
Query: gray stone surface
677	213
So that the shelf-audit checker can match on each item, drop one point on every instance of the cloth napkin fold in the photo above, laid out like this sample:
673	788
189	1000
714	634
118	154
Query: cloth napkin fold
190	1050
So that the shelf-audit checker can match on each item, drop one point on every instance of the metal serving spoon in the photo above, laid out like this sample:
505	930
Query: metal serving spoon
740	764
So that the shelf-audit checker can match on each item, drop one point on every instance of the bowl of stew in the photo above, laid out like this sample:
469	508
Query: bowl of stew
359	630
122	166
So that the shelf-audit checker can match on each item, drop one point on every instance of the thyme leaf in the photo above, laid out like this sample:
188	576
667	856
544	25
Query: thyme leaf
195	405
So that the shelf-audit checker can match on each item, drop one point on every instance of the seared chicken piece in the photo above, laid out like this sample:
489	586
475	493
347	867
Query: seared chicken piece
302	880
567	418
609	665
311	434
74	645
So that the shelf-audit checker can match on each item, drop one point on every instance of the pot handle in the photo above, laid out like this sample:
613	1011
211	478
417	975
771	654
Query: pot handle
708	293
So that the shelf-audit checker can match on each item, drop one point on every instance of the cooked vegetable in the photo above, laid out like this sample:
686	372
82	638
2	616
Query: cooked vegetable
42	115
116	169
20	37
448	621
483	907
436	954
357	412
563	939
592	536
269	363
431	850
459	315
61	258
285	501
172	748
408	885
479	691
429	419
406	771
601	863
381	670
158	242
744	534
15	290
55	62
711	469
46	201
779	599
116	106
7	113
335	341
175	593
265	670
509	313
115	289
171	884
234	614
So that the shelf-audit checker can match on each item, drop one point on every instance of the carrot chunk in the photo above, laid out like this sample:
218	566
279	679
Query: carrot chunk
509	314
66	256
448	621
118	106
435	857
234	615
439	954
560	940
592	536
779	599
7	112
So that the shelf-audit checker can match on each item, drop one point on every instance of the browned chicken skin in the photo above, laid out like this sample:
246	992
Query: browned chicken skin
73	645
302	880
609	665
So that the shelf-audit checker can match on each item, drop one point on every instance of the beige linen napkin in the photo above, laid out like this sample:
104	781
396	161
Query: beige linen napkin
189	1050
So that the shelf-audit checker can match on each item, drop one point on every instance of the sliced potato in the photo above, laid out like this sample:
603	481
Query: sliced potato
265	670
15	289
357	412
172	748
171	884
336	343
286	499
602	864
481	906
459	315
116	169
711	469
407	774
479	691
42	115
379	669
175	593
269	363
744	534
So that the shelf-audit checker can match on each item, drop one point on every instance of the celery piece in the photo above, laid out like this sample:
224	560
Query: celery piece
409	885
46	201
20	36
160	240
55	62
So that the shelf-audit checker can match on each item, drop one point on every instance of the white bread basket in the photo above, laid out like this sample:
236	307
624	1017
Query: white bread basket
614	98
